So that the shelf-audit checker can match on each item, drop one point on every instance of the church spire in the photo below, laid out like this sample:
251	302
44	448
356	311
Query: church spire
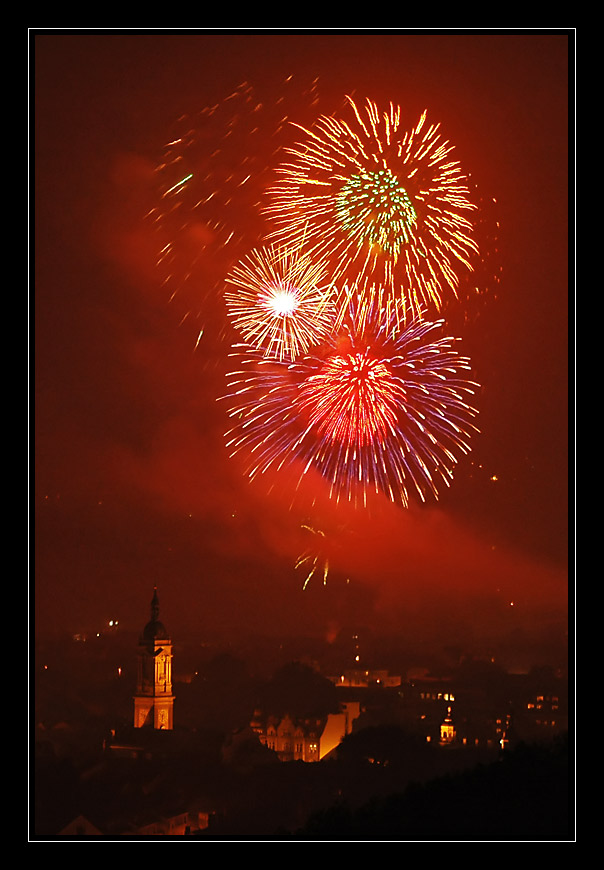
155	606
154	628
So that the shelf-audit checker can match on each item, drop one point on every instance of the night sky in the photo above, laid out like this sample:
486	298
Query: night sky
133	486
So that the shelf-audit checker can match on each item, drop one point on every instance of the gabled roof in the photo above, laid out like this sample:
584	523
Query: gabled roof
80	826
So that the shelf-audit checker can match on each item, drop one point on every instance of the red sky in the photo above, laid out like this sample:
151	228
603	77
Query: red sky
133	487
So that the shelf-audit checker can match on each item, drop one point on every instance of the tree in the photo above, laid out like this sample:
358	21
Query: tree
300	691
385	745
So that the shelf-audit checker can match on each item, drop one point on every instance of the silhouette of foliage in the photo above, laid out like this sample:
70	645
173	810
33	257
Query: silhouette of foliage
383	744
297	689
523	796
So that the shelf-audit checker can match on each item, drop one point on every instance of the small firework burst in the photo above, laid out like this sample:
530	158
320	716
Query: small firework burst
282	302
314	560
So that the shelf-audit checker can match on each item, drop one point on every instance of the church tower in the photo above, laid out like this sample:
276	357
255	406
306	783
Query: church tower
447	729
154	701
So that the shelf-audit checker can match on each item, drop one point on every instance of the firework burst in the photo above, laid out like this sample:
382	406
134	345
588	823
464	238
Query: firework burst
387	205
282	302
206	190
314	560
379	408
209	181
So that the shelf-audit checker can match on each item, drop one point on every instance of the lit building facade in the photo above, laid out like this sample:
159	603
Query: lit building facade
292	739
154	700
547	712
305	739
447	729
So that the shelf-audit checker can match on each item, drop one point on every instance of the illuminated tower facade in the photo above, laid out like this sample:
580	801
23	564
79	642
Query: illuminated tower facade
447	729
154	701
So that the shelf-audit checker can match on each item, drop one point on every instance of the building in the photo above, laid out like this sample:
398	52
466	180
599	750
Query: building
153	700
292	739
80	827
305	739
447	729
366	678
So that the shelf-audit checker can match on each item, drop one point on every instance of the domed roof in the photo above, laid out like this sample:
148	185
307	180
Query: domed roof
155	629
